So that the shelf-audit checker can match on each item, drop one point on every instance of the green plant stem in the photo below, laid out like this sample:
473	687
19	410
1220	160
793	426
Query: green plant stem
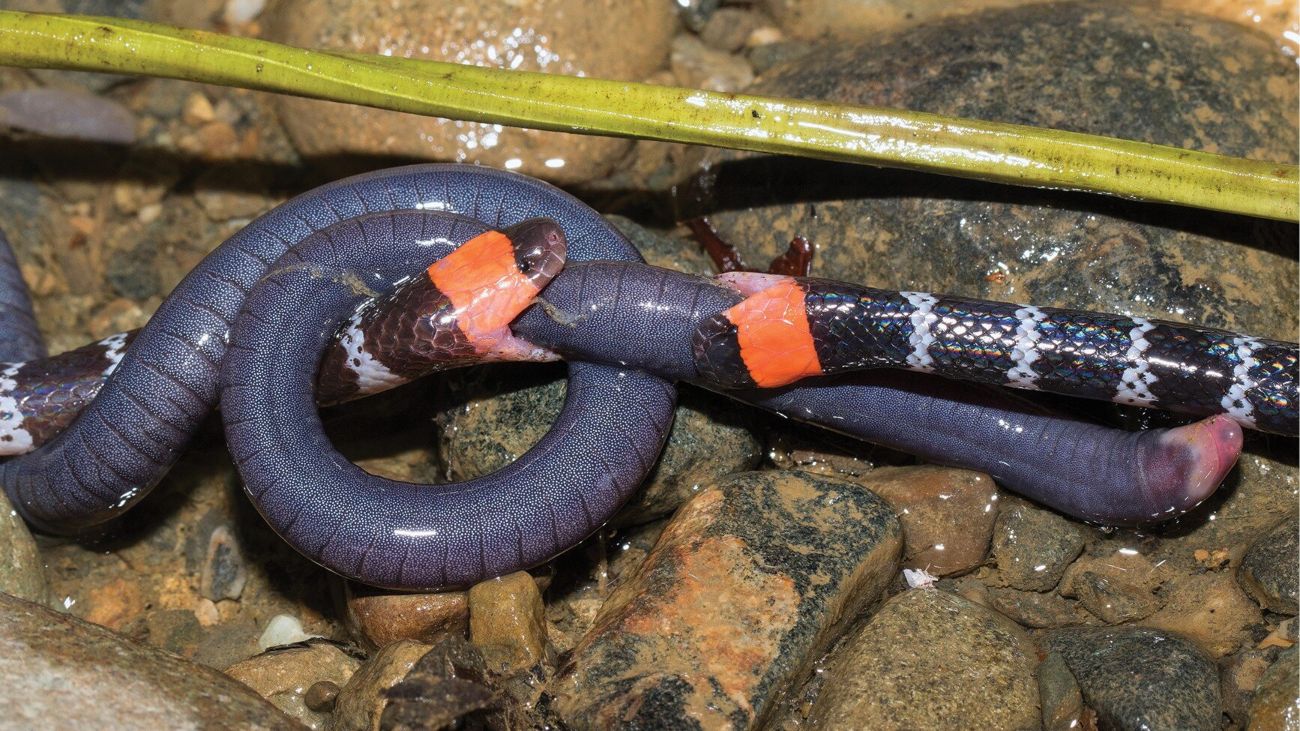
1004	153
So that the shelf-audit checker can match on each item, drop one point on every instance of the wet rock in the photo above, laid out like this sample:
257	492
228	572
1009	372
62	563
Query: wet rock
21	571
1268	571
1051	65
284	675
697	66
447	688
145	577
1114	601
1239	679
1276	706
361	702
709	440
947	514
1036	609
377	618
321	696
729	28
1137	678
506	620
1264	485
664	251
501	412
1210	609
555	36
857	19
1280	21
808	449
1116	586
930	659
746	585
606	561
61	672
1032	547
1059	695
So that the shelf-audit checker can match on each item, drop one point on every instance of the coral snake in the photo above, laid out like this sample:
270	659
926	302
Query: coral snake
364	283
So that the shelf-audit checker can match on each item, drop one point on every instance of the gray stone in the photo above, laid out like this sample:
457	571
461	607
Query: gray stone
1276	706
1141	679
744	589
1032	547
63	673
1059	695
1268	571
930	659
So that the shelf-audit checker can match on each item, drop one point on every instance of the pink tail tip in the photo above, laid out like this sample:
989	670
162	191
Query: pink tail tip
1207	451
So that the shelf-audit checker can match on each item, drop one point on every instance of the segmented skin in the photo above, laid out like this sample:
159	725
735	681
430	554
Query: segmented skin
127	438
1128	360
21	339
297	274
1089	471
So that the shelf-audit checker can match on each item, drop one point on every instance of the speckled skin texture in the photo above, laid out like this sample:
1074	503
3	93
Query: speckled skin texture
125	441
22	340
395	534
375	229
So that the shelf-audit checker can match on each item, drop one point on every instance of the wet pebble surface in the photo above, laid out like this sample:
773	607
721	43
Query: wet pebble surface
747	581
930	659
1141	678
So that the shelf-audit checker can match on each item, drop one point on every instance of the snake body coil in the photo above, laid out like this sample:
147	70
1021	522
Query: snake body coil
252	324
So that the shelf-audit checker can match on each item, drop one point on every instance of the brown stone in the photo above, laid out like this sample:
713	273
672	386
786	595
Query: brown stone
506	620
22	572
284	675
746	585
930	659
1211	609
361	702
63	673
947	514
569	37
377	618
